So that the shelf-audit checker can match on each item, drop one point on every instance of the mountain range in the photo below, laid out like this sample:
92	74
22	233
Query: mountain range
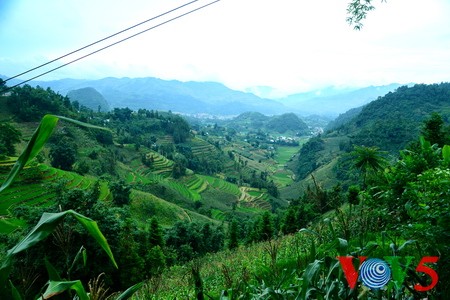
214	98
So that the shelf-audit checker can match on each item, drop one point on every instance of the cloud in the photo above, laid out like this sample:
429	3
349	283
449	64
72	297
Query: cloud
291	45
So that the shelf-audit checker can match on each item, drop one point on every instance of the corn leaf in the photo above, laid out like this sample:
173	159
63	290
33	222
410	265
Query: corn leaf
15	293
36	143
45	226
81	252
58	287
51	270
130	291
446	154
92	227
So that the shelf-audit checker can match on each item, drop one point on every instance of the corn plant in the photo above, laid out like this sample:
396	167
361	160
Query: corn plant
48	223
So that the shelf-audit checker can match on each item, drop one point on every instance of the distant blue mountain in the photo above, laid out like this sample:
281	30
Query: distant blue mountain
186	97
335	101
215	98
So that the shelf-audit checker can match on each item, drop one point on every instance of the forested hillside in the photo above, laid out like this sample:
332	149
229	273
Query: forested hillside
194	210
90	98
392	121
389	123
148	165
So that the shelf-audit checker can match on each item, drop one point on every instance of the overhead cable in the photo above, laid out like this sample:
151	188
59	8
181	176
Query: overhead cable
108	46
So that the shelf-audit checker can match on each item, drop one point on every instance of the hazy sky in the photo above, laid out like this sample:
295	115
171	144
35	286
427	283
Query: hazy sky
290	45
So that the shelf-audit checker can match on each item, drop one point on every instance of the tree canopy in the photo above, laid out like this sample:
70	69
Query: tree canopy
357	11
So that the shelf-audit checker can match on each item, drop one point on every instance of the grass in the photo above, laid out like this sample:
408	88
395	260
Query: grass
8	226
218	214
145	205
282	177
285	153
229	269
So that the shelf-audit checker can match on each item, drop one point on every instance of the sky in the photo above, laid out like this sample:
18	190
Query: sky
290	46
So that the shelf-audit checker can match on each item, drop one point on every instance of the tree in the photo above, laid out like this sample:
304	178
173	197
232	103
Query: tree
155	261
63	154
357	11
290	222
179	167
353	195
368	158
104	137
8	137
433	130
30	104
120	192
3	86
155	237
272	189
233	235
266	228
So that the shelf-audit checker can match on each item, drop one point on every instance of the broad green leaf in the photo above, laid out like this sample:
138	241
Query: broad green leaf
342	246
37	142
224	295
51	270
310	274
446	154
130	291
369	248
92	227
5	269
309	231
58	287
45	226
15	293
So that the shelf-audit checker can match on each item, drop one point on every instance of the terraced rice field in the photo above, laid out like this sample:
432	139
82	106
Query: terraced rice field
183	190
254	198
145	205
200	147
160	169
167	139
160	165
217	214
222	185
40	193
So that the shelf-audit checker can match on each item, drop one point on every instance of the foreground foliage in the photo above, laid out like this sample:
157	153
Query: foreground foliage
48	224
401	211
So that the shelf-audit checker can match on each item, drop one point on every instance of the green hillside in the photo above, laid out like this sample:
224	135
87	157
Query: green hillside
389	123
145	149
279	124
287	122
90	98
206	209
392	121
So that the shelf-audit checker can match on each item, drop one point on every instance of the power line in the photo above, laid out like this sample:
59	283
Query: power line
106	47
104	39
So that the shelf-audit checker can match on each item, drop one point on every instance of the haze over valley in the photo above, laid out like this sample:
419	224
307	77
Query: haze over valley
210	98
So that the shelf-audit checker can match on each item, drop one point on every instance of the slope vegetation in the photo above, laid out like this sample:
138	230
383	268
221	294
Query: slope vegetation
389	123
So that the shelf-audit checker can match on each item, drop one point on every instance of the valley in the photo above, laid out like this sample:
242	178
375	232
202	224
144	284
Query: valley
251	205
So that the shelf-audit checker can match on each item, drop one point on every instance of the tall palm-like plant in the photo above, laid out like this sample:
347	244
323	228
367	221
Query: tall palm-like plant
368	159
